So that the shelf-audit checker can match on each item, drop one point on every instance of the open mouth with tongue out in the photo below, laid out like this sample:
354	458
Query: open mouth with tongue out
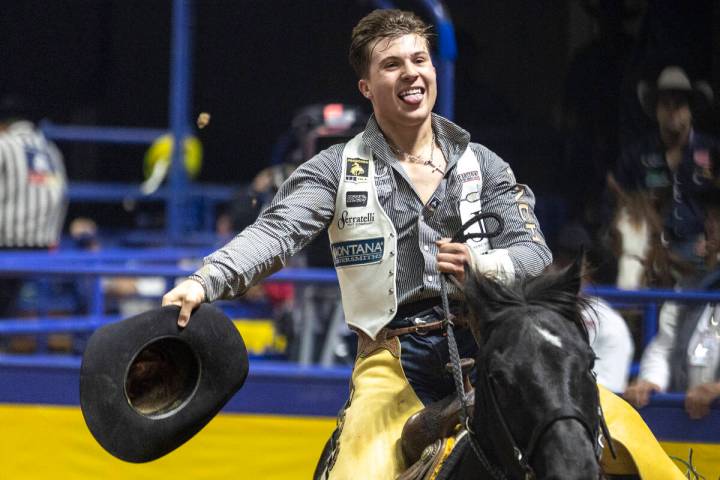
412	96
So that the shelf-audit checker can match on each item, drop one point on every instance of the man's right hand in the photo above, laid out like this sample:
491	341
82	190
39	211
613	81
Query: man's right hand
188	296
638	393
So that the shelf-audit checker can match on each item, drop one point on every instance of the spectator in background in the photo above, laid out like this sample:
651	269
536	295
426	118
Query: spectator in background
684	356
675	163
610	338
33	189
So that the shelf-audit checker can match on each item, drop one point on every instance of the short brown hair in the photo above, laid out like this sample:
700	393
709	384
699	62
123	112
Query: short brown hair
380	24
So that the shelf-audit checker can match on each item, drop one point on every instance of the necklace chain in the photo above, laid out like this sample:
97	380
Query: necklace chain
417	159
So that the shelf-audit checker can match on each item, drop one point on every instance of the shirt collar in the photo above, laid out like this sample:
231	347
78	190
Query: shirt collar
453	140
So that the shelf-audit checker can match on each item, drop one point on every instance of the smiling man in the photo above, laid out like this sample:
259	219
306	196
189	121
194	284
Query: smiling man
389	199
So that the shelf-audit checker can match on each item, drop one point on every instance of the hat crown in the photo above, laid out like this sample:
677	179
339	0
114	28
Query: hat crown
673	78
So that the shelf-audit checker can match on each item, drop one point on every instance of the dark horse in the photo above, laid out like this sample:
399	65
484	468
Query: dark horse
537	408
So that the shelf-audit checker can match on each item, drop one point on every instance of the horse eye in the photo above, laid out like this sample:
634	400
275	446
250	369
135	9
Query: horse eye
592	366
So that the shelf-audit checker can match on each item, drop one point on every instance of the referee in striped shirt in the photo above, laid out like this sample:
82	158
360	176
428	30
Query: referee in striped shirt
416	180
33	189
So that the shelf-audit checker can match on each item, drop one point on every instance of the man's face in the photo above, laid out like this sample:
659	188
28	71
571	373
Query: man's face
673	114
401	81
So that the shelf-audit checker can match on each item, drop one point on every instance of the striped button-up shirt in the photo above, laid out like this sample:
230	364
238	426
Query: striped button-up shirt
32	188
305	205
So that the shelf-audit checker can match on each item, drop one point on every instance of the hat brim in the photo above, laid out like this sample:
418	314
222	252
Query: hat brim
700	97
213	364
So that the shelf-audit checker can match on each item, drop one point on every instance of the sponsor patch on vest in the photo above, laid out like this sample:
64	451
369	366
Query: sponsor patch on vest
356	170
358	252
471	176
350	221
356	199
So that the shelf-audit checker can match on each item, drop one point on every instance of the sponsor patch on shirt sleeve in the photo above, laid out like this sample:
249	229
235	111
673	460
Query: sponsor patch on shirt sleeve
358	252
526	214
356	170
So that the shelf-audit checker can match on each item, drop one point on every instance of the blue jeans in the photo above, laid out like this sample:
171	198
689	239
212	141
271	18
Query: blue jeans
423	358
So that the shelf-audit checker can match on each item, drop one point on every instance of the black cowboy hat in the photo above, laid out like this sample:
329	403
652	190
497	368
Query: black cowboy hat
674	79
147	386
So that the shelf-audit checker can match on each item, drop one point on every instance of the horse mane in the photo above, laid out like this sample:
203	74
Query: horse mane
554	291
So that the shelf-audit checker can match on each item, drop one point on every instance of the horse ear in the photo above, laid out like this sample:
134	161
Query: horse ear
571	277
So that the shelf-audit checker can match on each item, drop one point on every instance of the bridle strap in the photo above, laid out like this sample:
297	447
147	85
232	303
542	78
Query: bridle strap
520	461
566	412
508	448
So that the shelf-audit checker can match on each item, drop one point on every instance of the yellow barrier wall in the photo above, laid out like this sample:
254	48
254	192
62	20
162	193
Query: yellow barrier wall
40	442
706	457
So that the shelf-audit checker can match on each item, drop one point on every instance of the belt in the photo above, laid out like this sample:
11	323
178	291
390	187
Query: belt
422	321
420	329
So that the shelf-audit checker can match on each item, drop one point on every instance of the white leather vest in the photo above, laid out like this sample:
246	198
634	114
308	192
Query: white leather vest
363	240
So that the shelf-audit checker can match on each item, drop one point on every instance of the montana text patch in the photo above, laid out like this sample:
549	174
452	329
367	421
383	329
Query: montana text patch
356	199
356	170
358	252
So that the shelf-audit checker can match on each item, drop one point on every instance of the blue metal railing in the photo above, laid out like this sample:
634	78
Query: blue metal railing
650	299
89	133
180	91
164	263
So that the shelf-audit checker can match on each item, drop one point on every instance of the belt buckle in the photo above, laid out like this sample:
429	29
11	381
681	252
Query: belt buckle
420	323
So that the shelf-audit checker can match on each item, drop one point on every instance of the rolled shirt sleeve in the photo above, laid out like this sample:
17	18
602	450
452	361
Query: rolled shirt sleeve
521	239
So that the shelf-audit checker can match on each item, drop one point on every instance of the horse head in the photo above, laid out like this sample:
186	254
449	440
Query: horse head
536	401
636	234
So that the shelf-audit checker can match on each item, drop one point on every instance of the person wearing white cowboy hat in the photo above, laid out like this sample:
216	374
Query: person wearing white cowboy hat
674	81
675	163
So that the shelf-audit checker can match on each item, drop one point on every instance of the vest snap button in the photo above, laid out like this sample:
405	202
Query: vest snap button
392	310
391	291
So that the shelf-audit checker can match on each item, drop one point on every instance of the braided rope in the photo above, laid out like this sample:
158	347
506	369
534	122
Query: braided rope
460	236
457	377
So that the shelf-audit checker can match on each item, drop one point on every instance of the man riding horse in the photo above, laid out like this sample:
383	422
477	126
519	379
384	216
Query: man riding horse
421	178
391	198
